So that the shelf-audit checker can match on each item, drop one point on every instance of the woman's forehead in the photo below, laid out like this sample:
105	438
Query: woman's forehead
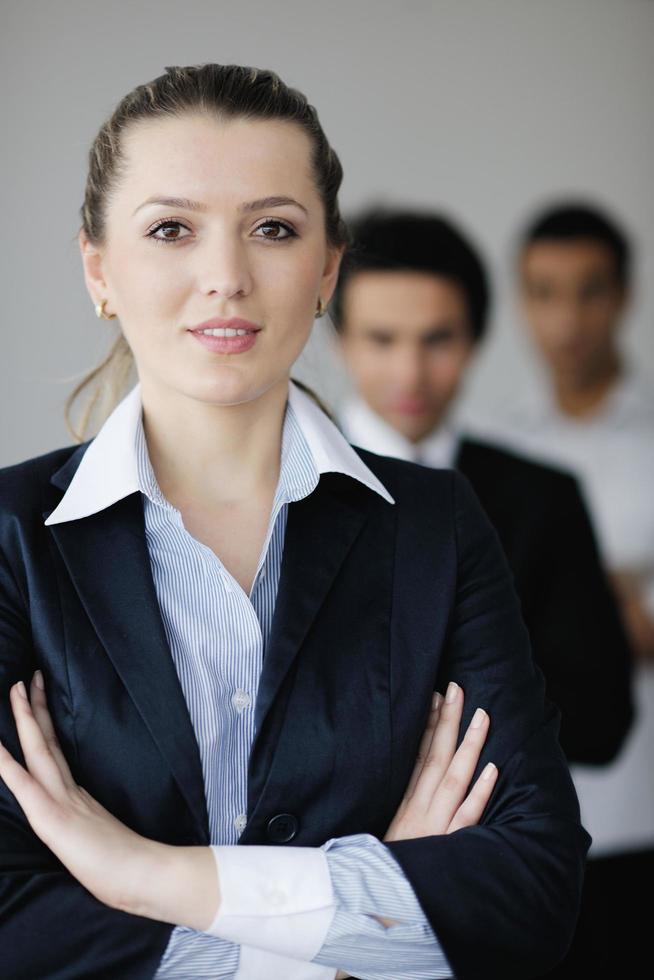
198	157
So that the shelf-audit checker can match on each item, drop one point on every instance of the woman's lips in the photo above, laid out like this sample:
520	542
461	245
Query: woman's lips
237	343
226	345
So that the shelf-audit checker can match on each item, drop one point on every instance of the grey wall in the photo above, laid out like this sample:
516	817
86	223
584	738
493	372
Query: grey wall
480	107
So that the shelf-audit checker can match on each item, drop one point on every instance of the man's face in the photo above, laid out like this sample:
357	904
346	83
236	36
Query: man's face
406	339
572	301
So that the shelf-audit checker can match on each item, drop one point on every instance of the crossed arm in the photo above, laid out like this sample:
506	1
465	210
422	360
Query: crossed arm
181	885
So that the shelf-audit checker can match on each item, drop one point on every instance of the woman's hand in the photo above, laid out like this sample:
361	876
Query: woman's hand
435	800
118	866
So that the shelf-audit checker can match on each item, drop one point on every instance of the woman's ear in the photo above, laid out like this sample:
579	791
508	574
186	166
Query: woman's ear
92	261
330	272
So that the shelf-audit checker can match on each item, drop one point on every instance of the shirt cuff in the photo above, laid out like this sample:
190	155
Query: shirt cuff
279	899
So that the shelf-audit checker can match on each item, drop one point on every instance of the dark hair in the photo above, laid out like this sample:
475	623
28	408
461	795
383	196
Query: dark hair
385	238
571	220
221	92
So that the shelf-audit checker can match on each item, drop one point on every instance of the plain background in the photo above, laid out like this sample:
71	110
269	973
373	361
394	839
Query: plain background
480	108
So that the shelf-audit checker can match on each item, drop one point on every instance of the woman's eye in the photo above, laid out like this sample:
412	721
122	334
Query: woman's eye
275	227
166	225
169	231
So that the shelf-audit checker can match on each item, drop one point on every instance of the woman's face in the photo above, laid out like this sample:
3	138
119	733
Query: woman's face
252	246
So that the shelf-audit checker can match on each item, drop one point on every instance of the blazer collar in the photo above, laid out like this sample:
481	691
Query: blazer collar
104	470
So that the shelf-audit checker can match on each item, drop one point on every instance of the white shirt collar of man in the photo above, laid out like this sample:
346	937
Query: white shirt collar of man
108	470
365	428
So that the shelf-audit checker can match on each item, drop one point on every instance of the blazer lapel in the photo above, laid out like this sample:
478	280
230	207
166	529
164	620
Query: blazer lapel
107	558
320	531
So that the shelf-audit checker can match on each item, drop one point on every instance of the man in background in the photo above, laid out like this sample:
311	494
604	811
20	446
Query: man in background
410	310
595	415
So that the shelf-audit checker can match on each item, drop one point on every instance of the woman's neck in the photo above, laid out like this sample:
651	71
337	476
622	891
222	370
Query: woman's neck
221	454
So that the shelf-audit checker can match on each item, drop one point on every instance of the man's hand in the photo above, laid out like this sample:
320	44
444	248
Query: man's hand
637	618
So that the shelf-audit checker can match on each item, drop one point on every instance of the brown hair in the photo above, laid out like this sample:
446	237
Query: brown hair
224	91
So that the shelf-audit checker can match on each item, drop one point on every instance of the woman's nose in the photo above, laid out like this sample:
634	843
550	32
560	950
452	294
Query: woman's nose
225	269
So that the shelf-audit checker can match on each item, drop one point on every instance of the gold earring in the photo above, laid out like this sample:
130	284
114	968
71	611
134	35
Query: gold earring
320	309
99	311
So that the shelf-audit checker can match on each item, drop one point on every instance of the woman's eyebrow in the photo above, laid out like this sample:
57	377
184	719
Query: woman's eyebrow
184	202
271	202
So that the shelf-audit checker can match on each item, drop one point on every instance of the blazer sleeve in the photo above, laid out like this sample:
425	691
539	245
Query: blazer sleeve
503	896
50	925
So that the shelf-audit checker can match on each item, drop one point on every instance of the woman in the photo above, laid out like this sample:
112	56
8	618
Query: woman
240	620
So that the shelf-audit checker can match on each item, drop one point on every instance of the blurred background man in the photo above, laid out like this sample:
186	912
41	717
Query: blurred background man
595	415
410	310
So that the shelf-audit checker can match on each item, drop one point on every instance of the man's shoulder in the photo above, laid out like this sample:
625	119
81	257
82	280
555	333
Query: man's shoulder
635	400
504	465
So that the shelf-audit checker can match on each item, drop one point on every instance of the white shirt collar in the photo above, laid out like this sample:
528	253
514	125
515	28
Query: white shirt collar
363	427
108	470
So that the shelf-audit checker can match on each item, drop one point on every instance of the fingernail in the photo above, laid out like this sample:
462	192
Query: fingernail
21	690
436	700
477	718
488	771
38	680
450	696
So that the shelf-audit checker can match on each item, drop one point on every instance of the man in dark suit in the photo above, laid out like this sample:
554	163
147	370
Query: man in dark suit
410	309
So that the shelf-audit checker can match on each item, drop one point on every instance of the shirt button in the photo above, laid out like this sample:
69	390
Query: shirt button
240	821
241	699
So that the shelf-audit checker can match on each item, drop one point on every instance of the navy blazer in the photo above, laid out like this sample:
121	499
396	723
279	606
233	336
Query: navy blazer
578	637
378	606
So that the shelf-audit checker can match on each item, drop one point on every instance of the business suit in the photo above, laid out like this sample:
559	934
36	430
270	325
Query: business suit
546	534
576	631
378	605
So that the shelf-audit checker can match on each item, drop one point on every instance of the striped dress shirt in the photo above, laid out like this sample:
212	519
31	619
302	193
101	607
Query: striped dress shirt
217	636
